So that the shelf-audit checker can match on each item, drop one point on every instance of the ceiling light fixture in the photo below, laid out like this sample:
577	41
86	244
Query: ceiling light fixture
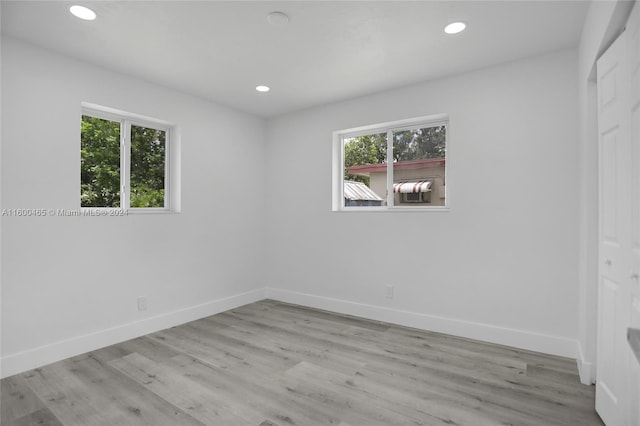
455	27
262	88
278	19
83	12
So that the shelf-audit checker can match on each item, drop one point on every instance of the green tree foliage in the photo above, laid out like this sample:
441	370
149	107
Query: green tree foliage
361	150
147	167
100	164
419	144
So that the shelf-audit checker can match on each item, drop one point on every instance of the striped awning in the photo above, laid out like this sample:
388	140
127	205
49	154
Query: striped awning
412	186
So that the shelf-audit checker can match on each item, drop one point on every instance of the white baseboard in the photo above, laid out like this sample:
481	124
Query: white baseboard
37	357
585	368
548	344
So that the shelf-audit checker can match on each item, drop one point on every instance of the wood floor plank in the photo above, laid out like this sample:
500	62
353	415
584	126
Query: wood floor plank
443	403
151	348
123	399
42	417
296	350
259	389
257	384
200	347
64	395
330	400
17	400
275	364
82	391
204	404
226	349
332	316
344	390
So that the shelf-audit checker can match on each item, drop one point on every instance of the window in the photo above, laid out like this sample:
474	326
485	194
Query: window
124	161
416	197
391	166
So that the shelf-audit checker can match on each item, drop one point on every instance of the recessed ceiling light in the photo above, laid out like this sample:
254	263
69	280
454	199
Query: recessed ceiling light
455	27
262	88
278	19
83	12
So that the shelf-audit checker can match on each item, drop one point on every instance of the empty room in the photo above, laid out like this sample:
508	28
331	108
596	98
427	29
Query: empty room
320	212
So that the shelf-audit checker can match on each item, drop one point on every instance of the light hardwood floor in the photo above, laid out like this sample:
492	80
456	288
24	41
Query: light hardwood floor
271	363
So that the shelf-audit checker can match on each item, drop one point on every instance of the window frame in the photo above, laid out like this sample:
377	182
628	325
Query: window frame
127	120
389	128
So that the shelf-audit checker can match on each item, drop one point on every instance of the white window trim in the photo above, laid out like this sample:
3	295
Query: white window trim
337	177
171	162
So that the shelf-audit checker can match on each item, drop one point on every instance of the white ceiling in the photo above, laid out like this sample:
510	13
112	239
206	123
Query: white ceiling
329	51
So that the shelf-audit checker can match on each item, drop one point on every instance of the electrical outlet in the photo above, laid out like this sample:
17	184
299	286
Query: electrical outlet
388	293
142	303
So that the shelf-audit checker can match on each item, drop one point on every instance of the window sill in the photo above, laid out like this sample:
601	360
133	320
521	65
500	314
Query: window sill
442	209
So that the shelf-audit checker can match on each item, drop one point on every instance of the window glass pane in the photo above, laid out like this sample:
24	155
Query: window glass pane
99	162
147	167
419	161
365	170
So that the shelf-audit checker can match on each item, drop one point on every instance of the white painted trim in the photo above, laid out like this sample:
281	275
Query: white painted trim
337	174
37	357
430	120
385	209
585	368
115	114
523	339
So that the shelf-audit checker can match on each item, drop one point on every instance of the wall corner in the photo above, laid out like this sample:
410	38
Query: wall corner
585	368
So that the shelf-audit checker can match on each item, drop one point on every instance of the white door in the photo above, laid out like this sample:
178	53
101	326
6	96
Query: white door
633	55
614	297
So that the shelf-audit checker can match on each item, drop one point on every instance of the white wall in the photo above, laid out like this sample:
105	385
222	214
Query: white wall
70	284
505	271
